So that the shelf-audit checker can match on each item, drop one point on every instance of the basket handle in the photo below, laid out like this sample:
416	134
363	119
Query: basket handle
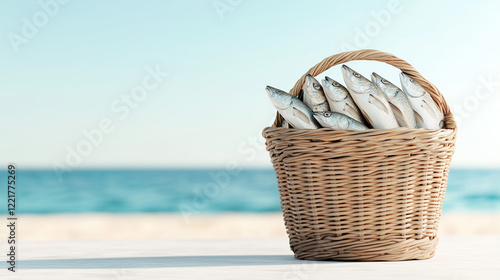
380	56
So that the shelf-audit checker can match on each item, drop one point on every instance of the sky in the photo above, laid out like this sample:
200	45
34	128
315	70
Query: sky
141	84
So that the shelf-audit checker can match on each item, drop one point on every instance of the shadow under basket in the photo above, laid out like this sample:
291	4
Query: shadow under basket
363	195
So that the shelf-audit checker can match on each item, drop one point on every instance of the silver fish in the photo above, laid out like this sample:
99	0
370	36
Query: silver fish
426	111
340	100
400	105
314	97
371	102
292	109
338	121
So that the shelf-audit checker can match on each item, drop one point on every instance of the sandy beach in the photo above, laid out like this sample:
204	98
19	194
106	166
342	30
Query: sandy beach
174	226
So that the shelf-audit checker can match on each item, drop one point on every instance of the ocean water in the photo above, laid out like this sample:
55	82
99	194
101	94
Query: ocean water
200	191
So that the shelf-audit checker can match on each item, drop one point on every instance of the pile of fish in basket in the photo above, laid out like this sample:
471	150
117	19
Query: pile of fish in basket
361	105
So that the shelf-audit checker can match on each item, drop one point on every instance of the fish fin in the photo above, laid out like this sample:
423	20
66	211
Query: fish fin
399	115
299	114
428	108
351	111
420	121
373	100
367	118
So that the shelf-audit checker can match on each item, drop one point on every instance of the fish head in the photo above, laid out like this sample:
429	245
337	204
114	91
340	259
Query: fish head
356	81
324	118
388	88
335	90
313	87
410	86
332	120
280	99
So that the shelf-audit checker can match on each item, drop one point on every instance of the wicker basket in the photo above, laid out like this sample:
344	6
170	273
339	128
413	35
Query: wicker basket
362	195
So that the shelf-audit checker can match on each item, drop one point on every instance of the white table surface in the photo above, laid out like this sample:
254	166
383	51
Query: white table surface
469	257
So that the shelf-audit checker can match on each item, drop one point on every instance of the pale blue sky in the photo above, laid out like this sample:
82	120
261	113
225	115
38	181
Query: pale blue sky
212	106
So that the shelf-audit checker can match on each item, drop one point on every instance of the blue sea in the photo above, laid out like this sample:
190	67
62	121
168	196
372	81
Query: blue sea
200	191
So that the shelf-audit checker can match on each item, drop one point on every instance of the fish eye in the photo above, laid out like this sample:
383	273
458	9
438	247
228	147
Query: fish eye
384	81
327	114
316	86
356	75
335	84
412	80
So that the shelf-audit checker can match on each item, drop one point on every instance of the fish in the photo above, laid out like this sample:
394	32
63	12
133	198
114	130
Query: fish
400	105
371	102
340	100
292	109
337	120
313	95
427	113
